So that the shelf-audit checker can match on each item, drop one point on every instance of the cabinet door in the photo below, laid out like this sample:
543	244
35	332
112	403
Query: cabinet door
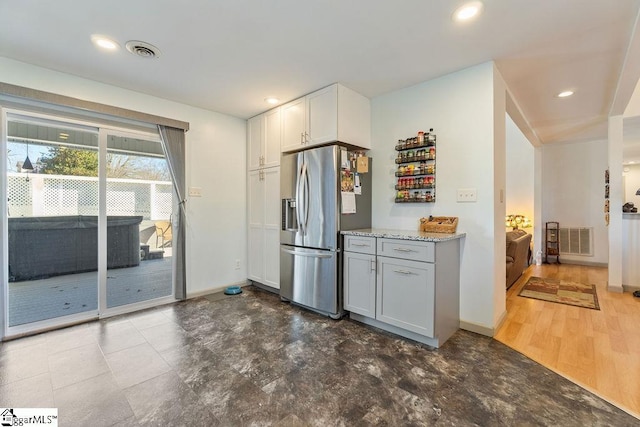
272	137
271	250
322	116
360	283
293	117
255	126
255	263
406	294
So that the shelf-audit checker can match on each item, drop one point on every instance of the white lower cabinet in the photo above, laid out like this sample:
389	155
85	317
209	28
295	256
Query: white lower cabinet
360	283
407	287
264	227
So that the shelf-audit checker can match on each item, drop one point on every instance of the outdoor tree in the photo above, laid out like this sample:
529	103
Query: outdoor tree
69	161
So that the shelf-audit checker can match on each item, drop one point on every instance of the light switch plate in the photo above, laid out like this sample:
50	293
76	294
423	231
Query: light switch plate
195	191
466	195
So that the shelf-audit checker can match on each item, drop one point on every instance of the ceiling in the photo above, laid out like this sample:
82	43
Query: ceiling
228	55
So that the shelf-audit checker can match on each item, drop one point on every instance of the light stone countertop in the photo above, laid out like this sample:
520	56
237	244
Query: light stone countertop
404	234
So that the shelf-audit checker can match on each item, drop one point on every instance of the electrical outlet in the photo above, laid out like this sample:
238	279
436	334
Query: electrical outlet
195	191
237	264
467	195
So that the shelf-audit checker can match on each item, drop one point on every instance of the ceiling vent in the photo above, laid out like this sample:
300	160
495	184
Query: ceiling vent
142	49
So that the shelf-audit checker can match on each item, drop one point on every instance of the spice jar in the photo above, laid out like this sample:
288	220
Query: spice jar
431	136
420	137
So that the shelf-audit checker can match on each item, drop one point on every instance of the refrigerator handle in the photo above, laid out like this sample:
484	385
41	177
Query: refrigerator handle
299	201
305	187
306	254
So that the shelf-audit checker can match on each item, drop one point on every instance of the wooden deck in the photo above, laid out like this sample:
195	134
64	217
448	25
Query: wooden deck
35	300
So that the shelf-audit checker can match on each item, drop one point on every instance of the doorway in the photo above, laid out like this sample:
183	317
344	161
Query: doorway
83	201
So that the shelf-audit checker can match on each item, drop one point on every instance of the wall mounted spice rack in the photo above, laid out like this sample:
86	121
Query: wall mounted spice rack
416	172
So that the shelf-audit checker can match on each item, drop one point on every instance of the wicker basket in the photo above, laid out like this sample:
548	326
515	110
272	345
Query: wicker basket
439	224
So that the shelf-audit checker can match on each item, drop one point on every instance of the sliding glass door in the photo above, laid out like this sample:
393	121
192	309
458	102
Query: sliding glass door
52	218
88	219
139	203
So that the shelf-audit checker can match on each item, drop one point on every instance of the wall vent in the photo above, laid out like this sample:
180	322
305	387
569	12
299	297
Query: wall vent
576	241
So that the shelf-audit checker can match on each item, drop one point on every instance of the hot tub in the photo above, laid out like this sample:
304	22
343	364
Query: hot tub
41	247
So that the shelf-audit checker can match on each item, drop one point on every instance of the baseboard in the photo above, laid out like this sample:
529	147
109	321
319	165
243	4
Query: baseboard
501	320
264	287
215	289
616	289
478	329
631	289
585	263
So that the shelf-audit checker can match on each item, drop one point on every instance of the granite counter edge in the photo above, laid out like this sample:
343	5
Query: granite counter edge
405	235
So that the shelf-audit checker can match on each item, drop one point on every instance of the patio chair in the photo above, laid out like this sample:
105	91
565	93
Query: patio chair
163	233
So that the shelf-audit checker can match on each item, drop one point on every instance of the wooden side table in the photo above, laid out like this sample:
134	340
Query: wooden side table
552	242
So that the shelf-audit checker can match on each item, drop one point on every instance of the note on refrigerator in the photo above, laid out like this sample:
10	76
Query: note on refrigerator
357	188
344	161
348	202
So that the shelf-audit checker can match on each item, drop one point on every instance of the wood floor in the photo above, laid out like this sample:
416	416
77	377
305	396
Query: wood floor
597	349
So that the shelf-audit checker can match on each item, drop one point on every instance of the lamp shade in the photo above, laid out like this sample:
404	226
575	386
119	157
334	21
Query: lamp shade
27	164
517	221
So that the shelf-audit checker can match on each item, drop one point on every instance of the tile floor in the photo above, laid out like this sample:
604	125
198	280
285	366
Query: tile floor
253	360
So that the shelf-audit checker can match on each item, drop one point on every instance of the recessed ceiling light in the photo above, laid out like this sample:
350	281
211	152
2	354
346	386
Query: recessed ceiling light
467	11
271	100
565	93
63	135
104	42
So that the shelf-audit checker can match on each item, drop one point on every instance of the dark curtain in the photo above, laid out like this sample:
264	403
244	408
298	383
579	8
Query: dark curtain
173	144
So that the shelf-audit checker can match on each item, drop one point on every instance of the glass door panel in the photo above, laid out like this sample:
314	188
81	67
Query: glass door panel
52	191
139	202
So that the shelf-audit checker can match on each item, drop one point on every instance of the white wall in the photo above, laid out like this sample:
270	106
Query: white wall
631	184
459	107
519	194
520	172
215	161
573	192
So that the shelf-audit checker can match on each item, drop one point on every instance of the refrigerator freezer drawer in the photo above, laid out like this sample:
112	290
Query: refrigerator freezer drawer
309	277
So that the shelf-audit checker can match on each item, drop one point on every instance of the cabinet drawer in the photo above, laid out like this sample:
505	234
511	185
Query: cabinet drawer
407	249
363	245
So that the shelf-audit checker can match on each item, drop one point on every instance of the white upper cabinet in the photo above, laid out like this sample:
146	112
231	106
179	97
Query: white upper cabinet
272	138
332	114
264	134
293	125
321	116
255	127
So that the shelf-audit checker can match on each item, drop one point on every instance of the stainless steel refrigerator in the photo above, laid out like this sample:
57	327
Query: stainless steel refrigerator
312	218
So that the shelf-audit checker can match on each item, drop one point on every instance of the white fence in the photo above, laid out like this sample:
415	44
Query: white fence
49	195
